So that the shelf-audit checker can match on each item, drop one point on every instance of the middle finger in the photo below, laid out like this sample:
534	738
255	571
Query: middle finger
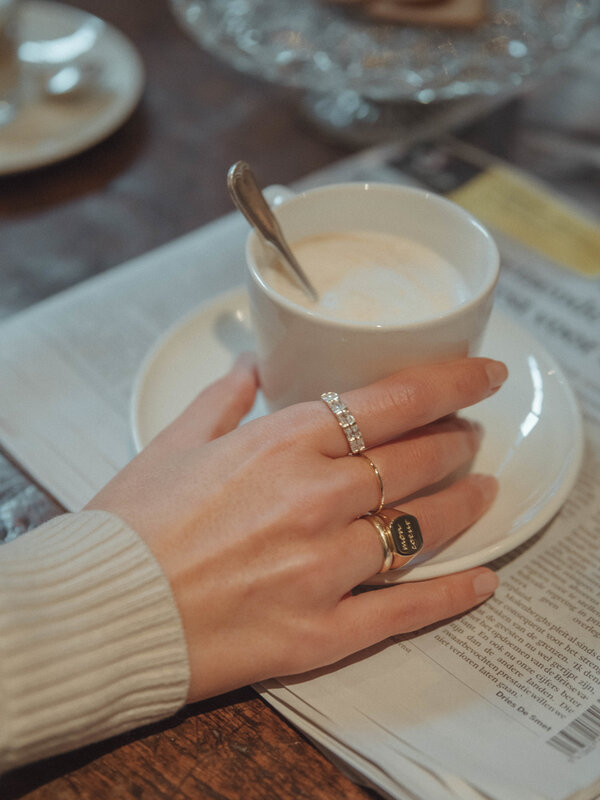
410	399
416	461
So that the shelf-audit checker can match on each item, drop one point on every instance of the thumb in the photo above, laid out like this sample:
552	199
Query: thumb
220	407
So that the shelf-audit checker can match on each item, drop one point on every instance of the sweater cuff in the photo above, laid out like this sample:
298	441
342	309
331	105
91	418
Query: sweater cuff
91	641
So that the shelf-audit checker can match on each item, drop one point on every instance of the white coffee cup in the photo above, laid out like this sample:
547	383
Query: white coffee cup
303	352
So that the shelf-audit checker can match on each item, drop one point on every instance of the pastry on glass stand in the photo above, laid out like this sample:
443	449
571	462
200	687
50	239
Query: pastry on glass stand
441	13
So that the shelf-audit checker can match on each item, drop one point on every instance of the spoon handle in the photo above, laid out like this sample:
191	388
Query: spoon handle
249	199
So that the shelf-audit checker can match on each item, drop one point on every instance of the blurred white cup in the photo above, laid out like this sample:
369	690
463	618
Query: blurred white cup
10	71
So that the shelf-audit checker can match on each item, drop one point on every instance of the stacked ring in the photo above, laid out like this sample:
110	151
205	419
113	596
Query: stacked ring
379	483
405	534
400	535
346	421
381	529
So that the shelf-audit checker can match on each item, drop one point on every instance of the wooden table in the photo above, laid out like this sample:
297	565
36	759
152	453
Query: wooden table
161	175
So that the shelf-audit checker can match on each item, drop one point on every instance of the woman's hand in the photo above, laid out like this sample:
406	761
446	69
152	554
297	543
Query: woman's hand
258	528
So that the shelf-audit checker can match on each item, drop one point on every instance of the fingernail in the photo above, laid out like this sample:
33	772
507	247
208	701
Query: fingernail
497	374
488	486
478	430
485	584
245	360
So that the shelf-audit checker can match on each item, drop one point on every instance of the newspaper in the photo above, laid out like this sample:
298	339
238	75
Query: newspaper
502	703
505	701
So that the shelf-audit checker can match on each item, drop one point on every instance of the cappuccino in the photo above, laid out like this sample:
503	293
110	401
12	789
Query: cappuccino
372	277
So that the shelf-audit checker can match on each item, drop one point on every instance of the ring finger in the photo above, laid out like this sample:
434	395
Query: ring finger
441	516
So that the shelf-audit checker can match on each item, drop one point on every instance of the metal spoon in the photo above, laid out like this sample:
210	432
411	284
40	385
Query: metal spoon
248	197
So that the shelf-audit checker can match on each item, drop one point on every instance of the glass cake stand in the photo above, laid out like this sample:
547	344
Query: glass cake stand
366	81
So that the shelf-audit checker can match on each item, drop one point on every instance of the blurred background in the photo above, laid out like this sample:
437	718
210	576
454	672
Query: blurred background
289	87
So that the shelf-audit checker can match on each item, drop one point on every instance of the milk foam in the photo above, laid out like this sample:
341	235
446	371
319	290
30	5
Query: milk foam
367	276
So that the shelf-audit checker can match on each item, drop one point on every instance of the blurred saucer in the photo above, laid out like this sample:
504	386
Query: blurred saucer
533	437
47	129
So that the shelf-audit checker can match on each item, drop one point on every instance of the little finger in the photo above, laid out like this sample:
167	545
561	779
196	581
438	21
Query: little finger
365	619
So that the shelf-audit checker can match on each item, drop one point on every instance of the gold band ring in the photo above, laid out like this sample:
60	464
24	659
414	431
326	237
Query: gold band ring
346	421
382	530
404	535
379	483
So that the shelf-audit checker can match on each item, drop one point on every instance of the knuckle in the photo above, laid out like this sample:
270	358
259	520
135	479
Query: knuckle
400	398
410	395
336	484
450	597
294	425
301	517
406	617
312	521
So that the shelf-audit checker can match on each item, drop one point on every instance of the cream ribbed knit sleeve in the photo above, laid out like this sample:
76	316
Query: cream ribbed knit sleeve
91	642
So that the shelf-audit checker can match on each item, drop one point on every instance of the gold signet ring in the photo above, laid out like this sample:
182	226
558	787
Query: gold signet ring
404	536
384	538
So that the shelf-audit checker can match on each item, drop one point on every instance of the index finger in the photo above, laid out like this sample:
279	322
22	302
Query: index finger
410	399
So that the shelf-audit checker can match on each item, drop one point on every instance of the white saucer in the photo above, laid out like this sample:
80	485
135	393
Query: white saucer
46	130
533	430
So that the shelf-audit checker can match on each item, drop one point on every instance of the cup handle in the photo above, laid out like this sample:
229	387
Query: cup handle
276	194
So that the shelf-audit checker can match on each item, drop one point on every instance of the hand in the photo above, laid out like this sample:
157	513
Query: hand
258	528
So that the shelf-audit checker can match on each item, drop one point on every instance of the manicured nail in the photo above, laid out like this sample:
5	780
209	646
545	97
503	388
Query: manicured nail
485	584
478	430
497	374
488	486
245	360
